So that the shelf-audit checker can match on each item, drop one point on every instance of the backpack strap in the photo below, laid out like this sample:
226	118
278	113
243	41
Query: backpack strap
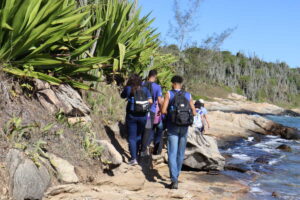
175	93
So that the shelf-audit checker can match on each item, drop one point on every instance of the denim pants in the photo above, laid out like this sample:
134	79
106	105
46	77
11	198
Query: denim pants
136	127
148	134
177	139
157	138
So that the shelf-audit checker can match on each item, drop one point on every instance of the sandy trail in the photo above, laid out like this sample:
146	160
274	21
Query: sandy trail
134	183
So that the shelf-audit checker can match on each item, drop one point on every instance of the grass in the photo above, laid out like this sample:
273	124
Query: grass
107	106
208	92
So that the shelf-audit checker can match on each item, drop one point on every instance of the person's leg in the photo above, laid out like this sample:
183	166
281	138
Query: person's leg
181	148
172	154
132	136
147	135
140	132
158	143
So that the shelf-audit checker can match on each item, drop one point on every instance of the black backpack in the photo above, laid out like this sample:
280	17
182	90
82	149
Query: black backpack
181	111
141	103
148	85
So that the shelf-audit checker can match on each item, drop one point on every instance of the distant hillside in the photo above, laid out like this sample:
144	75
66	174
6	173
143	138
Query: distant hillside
250	76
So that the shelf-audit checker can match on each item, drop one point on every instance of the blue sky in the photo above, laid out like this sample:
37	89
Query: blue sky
268	28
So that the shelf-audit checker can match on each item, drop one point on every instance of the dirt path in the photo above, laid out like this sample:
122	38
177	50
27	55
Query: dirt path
132	183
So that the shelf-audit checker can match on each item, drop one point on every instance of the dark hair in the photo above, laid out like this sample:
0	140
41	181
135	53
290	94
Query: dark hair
198	104
177	79
134	81
152	73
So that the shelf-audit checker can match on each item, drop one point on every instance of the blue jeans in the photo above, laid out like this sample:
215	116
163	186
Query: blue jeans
177	138
136	128
157	138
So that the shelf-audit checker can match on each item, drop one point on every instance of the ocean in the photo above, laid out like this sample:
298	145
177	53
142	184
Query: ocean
271	173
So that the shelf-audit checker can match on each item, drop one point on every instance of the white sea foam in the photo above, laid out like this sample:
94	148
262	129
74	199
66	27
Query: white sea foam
250	139
241	157
274	161
272	136
256	190
260	145
265	147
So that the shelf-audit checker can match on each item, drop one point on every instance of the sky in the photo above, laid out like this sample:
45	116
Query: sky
269	29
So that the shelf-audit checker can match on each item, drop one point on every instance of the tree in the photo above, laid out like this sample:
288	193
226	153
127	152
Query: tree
184	22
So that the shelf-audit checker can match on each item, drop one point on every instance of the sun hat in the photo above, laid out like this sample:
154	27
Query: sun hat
201	100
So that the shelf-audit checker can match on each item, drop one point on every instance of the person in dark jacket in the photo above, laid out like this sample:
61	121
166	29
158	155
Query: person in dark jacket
135	121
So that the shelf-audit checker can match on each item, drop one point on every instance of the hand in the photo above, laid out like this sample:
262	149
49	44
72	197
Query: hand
159	113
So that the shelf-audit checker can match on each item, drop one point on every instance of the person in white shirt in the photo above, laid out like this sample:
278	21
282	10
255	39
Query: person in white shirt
204	113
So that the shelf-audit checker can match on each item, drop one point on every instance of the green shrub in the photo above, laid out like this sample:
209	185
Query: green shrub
45	39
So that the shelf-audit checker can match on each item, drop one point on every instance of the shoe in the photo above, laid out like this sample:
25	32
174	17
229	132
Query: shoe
133	162
144	153
174	185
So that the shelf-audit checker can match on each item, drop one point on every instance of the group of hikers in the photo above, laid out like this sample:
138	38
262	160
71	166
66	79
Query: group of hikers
149	114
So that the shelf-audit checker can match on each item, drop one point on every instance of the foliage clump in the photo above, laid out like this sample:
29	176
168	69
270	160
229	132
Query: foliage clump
64	41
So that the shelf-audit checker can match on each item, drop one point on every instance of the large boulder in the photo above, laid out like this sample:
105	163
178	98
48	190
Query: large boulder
229	127
109	153
202	152
63	97
236	103
65	171
27	181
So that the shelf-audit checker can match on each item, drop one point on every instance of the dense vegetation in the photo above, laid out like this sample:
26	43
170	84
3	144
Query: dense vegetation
249	76
83	42
69	41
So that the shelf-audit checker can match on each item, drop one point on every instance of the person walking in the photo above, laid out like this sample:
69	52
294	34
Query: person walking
204	113
156	94
158	128
199	119
139	100
180	110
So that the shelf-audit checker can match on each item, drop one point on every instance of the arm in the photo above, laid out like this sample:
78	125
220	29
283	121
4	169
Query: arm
206	119
149	97
203	122
160	102
165	104
160	97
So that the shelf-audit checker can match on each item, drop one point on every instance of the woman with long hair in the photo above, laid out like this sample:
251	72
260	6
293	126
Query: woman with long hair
139	99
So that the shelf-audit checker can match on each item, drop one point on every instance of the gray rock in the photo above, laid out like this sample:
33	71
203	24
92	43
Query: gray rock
63	98
66	171
262	160
110	154
202	152
49	100
242	168
284	147
72	101
27	181
41	85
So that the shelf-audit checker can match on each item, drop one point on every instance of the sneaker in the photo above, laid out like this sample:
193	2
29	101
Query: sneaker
144	153
174	185
133	162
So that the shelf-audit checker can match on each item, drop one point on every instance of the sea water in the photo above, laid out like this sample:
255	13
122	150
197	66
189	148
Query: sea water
270	171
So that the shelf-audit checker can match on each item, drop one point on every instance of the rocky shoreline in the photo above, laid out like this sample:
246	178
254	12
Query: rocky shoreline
235	118
66	172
